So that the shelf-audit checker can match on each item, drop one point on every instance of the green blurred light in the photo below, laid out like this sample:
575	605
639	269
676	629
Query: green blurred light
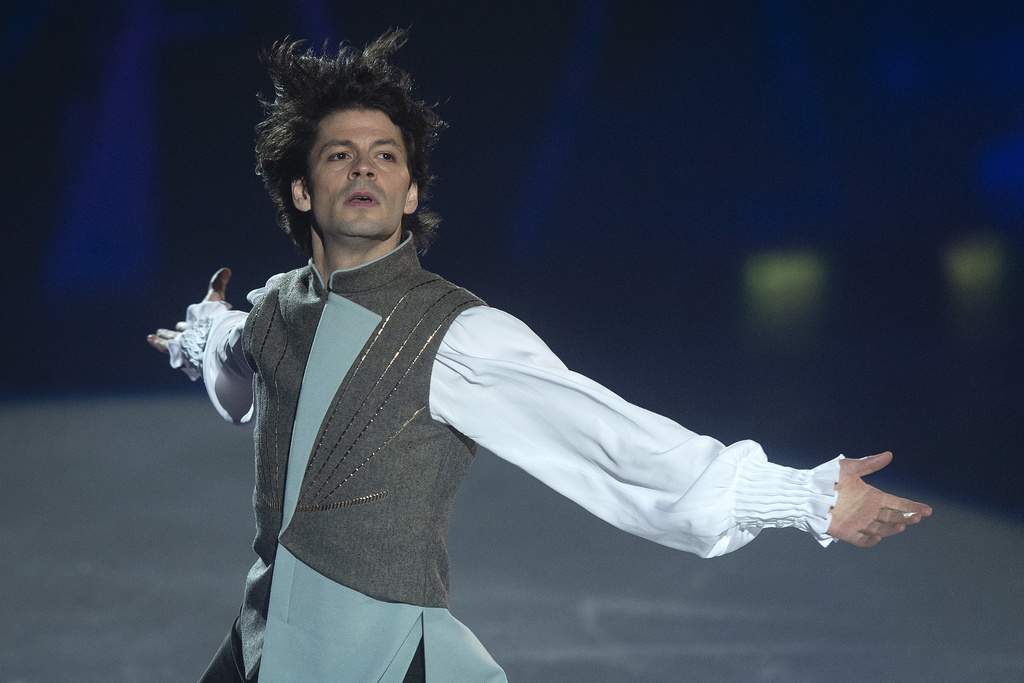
785	290
976	272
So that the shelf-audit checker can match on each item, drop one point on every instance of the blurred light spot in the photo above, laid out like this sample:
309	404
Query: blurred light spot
785	291
976	273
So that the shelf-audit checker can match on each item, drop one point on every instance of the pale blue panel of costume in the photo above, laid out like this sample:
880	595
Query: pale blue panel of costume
318	630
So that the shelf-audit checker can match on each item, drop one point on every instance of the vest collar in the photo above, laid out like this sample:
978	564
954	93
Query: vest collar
372	274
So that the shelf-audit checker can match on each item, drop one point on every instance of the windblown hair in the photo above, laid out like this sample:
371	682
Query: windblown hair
308	88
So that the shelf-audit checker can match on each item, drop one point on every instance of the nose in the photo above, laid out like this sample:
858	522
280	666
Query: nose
362	168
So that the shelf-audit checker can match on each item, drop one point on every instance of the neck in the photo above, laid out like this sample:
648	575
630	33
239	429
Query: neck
330	255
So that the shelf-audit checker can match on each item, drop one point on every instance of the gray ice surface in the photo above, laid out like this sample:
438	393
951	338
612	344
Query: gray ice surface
125	543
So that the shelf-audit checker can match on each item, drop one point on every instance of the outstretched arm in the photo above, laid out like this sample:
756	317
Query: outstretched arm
215	292
497	383
209	347
863	515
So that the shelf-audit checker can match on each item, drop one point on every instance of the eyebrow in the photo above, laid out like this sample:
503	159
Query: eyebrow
383	142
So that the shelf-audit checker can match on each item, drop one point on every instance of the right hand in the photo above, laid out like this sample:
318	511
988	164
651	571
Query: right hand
215	292
863	515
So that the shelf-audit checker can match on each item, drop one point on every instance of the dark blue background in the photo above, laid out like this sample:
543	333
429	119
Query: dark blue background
613	172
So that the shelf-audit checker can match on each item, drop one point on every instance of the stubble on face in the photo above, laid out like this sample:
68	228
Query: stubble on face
359	186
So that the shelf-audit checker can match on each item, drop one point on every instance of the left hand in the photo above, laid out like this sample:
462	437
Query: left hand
863	515
214	292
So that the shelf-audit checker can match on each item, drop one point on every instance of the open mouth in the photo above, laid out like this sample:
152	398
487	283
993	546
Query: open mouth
361	200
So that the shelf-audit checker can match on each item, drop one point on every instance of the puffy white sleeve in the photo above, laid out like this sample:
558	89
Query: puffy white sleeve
211	349
496	382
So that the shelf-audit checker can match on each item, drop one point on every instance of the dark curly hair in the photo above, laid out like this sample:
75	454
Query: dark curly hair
308	88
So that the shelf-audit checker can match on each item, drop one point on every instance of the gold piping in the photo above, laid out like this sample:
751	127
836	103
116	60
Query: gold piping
383	403
370	456
348	380
361	500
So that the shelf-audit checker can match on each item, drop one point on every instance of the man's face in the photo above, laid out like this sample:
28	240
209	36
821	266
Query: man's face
359	186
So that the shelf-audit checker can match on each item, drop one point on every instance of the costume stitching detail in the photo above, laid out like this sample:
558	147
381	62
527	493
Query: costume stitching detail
370	456
330	418
269	479
352	502
383	403
278	501
458	309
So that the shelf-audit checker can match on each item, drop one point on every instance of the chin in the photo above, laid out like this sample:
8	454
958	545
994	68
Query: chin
361	228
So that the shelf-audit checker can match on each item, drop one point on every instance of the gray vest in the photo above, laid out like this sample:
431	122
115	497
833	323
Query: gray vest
379	486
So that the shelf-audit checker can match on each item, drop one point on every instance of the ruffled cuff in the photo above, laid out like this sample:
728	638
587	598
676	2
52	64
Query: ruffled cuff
188	348
769	495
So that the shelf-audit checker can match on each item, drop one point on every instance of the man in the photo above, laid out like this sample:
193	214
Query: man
371	381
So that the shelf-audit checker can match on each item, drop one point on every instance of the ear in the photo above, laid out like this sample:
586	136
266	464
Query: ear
300	195
412	198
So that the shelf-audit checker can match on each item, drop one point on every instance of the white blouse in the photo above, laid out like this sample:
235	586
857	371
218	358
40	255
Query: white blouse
496	382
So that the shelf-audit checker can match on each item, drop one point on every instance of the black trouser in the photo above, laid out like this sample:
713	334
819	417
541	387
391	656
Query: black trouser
227	665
